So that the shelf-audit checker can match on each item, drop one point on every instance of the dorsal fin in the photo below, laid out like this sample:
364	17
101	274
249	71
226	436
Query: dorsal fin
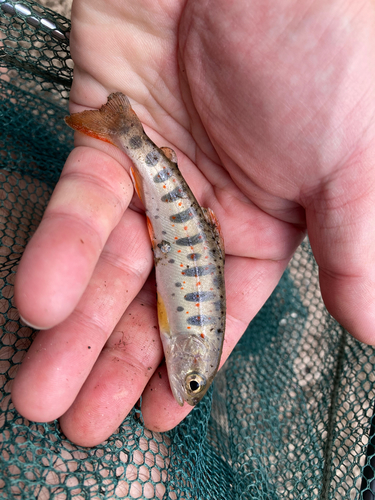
169	153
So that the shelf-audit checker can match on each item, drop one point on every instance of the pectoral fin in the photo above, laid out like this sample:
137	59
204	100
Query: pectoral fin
163	317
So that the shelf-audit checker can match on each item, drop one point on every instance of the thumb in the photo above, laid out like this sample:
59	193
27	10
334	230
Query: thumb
341	228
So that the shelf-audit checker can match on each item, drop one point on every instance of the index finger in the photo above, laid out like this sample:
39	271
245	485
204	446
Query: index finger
88	202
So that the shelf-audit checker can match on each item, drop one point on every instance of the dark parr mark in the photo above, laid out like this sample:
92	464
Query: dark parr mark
152	158
194	256
163	175
199	296
200	320
218	305
135	142
179	308
178	284
218	281
190	241
199	270
174	195
184	216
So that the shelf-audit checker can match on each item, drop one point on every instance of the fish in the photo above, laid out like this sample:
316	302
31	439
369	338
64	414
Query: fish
187	244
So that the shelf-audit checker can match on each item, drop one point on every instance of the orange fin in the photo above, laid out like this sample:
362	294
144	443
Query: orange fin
151	232
163	316
169	153
113	119
137	181
213	221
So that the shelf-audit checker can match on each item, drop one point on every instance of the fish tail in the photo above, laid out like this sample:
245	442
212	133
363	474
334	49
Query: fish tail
113	119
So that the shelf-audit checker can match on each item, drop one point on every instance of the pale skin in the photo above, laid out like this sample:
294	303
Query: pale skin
270	107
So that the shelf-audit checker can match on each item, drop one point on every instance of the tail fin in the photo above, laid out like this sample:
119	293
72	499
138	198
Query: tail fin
114	118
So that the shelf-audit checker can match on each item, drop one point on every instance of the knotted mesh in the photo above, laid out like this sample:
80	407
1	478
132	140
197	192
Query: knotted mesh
289	416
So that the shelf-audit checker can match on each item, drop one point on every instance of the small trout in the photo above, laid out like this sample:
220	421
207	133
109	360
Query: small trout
187	245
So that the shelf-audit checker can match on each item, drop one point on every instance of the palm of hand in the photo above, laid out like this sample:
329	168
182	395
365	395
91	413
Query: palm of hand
266	134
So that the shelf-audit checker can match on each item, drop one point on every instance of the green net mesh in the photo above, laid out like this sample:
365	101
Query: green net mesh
289	417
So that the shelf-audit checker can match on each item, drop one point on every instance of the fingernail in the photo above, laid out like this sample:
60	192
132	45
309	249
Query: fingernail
31	325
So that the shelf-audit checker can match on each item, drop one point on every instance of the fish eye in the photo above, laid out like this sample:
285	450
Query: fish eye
195	383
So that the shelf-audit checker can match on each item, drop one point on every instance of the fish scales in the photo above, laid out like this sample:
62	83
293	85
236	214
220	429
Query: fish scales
187	246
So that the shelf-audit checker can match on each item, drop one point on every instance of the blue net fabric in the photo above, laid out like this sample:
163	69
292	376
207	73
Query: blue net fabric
290	416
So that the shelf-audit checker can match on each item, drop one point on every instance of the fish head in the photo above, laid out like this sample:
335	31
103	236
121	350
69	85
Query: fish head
190	370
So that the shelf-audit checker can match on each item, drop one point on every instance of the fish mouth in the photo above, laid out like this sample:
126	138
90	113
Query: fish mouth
178	396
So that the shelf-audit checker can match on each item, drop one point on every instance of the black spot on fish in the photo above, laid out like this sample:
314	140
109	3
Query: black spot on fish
164	232
194	256
178	284
199	296
152	158
184	216
199	270
200	320
135	142
171	261
165	246
174	195
179	308
190	241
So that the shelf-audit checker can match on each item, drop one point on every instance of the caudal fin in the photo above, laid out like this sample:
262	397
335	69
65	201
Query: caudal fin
114	118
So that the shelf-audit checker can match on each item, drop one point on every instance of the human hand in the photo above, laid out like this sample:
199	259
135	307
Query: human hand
269	110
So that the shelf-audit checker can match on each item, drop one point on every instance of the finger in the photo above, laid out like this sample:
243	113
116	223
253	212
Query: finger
340	225
87	204
249	282
132	353
60	359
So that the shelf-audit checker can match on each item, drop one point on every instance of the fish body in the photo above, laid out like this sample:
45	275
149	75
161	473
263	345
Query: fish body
187	245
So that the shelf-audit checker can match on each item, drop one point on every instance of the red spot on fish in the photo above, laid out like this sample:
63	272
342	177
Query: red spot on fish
202	335
176	238
181	265
164	187
173	217
197	304
185	228
198	283
188	327
183	273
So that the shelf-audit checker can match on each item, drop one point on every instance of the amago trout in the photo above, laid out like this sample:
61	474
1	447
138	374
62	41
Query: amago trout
187	245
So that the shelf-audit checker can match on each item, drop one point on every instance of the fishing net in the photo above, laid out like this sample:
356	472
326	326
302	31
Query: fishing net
289	417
